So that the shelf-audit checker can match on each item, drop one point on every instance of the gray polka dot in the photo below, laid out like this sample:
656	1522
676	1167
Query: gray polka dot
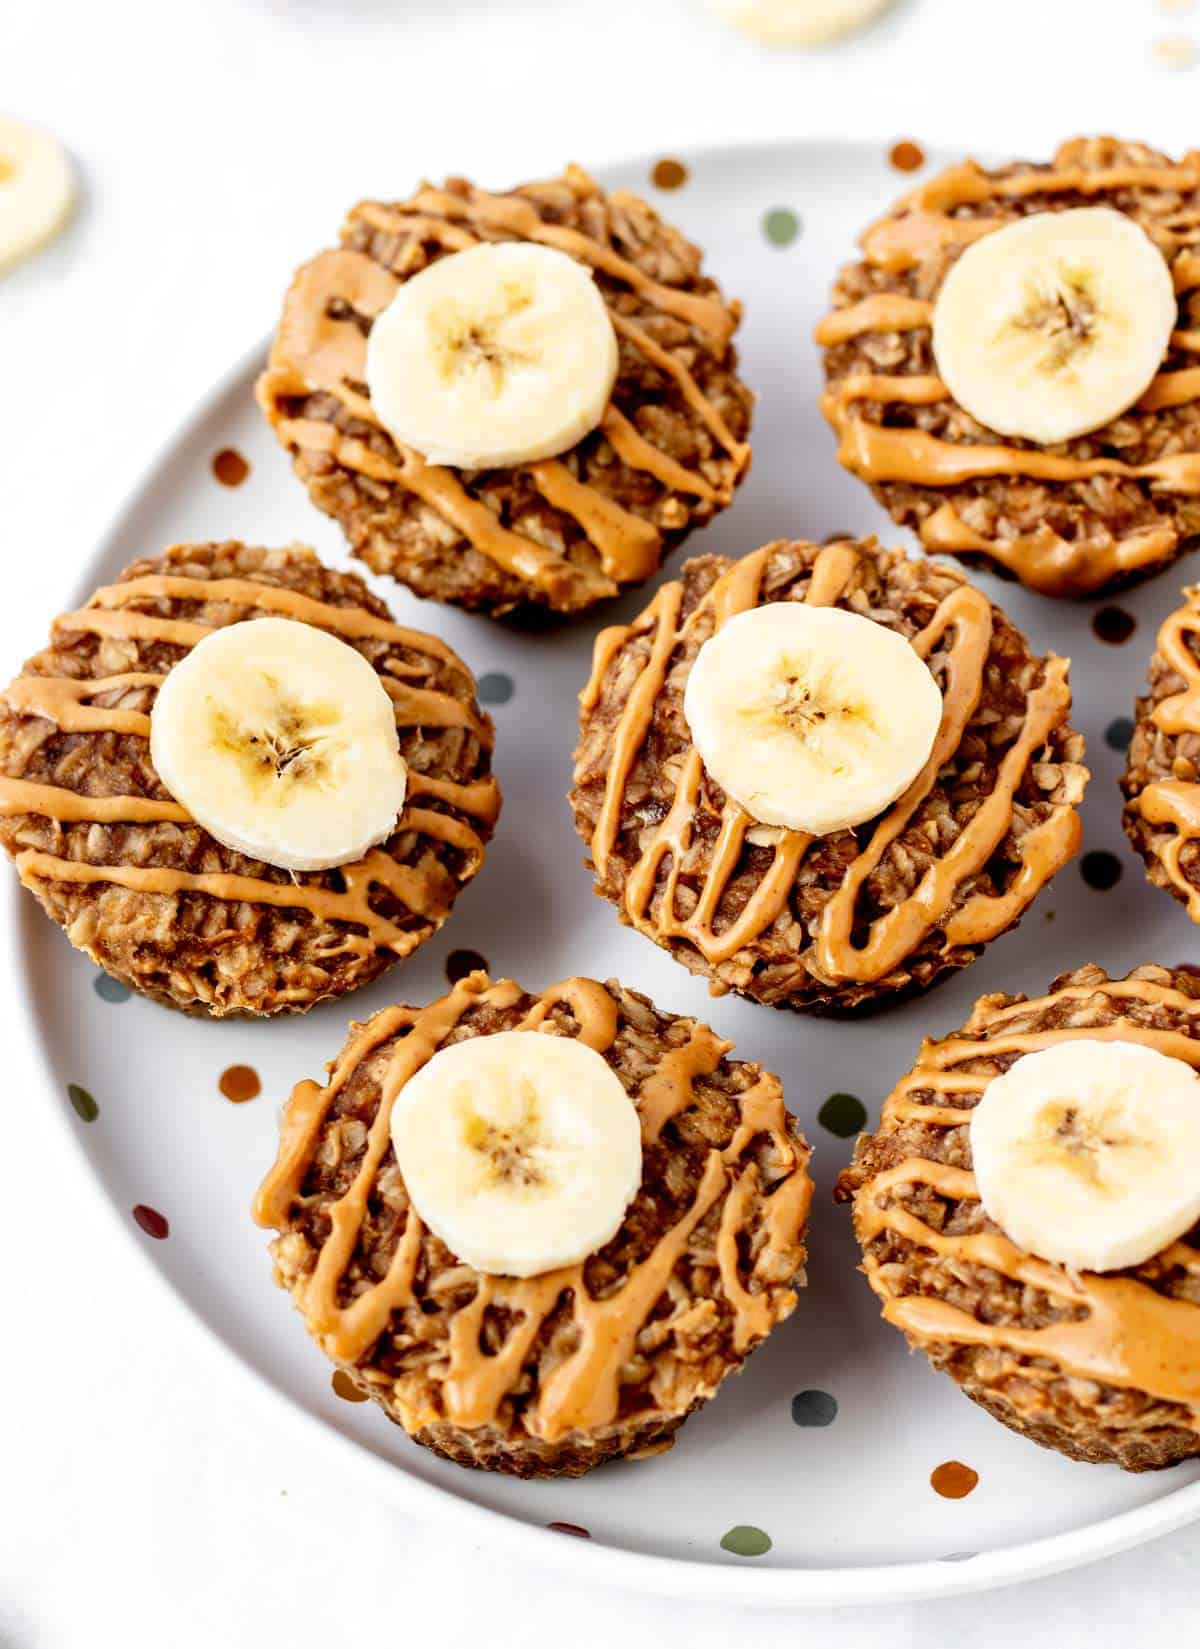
958	1557
109	989
495	688
814	1408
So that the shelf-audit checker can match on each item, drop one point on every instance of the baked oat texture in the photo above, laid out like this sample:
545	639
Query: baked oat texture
1071	528
1083	1418
688	1340
396	531
779	967
190	949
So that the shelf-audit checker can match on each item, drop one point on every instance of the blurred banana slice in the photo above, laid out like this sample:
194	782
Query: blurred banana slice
1055	324
812	718
499	355
797	22
1088	1152
280	740
37	188
521	1150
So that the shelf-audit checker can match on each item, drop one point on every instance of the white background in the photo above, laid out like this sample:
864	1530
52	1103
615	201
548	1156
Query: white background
143	1500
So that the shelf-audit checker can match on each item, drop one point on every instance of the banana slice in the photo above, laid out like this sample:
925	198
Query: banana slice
797	22
281	741
1088	1152
811	718
37	188
498	355
1055	324
521	1150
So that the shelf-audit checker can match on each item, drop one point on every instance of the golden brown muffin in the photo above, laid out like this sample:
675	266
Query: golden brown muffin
562	533
145	890
554	1374
1101	1368
852	921
1084	516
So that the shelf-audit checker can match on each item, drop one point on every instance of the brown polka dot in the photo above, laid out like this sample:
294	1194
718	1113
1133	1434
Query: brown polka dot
669	174
240	1083
230	468
460	963
952	1480
344	1387
1113	624
151	1221
576	1529
907	156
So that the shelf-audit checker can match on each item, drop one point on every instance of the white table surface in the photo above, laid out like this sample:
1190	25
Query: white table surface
145	1499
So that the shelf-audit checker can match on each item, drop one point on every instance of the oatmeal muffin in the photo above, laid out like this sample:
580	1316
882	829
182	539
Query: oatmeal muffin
567	529
1161	782
854	918
552	1373
152	896
1100	1365
1069	516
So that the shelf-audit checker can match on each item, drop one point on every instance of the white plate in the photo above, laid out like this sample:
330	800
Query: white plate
849	1506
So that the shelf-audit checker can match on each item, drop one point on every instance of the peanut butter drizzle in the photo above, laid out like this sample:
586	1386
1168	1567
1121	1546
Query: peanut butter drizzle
1176	802
425	888
1043	560
318	351
1131	1336
583	1391
891	937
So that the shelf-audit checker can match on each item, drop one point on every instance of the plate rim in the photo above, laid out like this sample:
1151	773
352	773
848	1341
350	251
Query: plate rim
593	1562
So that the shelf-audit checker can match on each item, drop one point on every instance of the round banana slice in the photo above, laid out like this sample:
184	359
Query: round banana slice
499	355
812	718
797	22
1088	1152
37	188
1055	324
521	1150
281	741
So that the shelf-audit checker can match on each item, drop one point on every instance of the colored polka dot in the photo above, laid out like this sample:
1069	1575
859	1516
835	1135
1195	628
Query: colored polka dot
1118	733
460	963
781	226
344	1387
907	156
151	1221
744	1540
496	688
1100	870
109	989
814	1408
952	1480
1113	624
84	1105
239	1083
669	174
576	1529
229	467
843	1115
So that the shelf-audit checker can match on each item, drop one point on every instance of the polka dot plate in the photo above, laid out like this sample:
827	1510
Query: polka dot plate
836	1468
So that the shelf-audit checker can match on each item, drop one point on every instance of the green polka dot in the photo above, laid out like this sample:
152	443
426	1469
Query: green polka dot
85	1106
843	1115
744	1540
109	989
1118	733
781	226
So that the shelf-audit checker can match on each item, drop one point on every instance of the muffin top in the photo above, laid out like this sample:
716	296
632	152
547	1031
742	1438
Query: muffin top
146	891
703	1265
1119	1350
841	918
1066	517
1162	777
562	532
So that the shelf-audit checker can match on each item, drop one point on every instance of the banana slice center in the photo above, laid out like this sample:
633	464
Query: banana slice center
498	355
812	718
521	1151
1088	1152
281	741
1056	324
